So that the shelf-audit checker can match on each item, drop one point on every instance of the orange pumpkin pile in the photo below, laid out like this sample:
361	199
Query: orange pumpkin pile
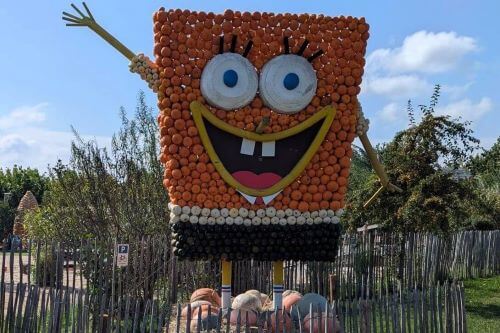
185	41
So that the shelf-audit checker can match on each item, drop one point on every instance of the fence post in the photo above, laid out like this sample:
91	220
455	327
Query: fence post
332	280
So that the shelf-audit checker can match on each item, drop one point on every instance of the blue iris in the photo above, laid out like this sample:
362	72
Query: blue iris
230	78
291	81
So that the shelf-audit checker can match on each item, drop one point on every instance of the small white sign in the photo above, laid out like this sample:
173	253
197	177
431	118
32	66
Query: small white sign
122	255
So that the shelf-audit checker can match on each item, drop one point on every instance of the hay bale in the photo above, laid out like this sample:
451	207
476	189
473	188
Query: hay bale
28	202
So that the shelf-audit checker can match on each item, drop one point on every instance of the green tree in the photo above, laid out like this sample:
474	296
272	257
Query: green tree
105	194
423	160
485	169
17	181
488	162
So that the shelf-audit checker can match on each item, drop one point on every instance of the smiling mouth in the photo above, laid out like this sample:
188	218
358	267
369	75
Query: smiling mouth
260	165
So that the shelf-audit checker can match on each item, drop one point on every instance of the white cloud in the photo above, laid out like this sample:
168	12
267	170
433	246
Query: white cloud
392	112
423	51
24	115
455	91
397	87
395	113
26	141
466	109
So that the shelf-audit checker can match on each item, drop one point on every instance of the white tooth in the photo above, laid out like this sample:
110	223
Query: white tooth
247	147
270	198
249	198
268	148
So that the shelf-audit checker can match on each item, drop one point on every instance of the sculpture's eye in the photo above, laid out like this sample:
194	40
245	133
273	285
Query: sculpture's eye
229	81
287	83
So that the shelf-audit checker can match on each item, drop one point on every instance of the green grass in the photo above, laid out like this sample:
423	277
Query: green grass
482	304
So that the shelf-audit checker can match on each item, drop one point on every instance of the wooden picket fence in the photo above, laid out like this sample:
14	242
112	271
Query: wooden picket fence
436	309
366	264
52	287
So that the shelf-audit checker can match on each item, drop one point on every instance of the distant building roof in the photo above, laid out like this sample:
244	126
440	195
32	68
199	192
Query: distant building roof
368	227
459	173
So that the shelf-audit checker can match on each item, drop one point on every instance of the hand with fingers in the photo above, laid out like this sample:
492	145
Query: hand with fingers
139	64
87	20
84	20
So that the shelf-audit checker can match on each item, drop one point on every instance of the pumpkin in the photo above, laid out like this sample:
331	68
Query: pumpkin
252	317
317	301
288	292
286	320
319	323
208	321
290	300
247	302
254	292
206	294
267	304
194	306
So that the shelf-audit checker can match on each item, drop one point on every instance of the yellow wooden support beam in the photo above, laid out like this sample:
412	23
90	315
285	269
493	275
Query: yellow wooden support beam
379	170
278	272
226	272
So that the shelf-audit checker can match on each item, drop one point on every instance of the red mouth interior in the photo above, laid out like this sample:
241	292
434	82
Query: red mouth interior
258	182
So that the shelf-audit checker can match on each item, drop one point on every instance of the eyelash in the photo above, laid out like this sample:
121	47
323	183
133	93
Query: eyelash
286	44
233	46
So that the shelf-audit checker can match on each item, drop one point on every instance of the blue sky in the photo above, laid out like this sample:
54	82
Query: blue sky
54	77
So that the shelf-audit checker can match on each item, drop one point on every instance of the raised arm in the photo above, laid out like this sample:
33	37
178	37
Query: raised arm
372	156
139	63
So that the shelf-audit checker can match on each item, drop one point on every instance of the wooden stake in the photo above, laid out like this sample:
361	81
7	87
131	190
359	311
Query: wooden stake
379	170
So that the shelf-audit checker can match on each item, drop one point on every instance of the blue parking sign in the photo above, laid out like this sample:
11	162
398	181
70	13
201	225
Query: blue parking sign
122	255
122	248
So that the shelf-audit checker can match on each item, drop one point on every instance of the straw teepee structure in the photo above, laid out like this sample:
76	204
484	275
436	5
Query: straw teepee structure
28	202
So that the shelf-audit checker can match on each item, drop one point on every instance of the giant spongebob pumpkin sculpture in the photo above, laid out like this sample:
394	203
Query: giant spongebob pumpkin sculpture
258	112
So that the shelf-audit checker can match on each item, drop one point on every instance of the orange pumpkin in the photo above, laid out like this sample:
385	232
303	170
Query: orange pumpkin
205	294
319	323
290	300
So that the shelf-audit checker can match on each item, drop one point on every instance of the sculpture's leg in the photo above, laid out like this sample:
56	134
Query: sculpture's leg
278	284
226	284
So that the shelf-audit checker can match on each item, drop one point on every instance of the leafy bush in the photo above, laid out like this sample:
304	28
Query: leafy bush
424	161
39	225
108	193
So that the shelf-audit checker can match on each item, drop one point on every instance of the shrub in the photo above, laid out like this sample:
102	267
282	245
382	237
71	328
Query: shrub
48	270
